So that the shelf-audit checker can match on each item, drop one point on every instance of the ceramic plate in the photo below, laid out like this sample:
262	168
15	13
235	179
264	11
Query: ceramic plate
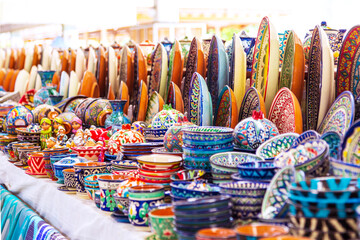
200	112
158	77
218	73
340	115
87	83
195	63
101	71
64	84
285	112
350	146
265	67
7	79
91	65
175	98
13	80
155	105
74	84
346	59
124	95
275	199
252	101
112	74
305	136
176	64
313	83
334	140
28	59
80	64
283	43
126	69
67	190
21	80
237	77
355	74
140	73
226	110
142	102
65	61
293	66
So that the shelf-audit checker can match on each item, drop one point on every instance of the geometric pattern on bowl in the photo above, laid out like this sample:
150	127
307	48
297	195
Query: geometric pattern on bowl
343	169
184	190
274	146
257	170
230	160
325	225
245	188
306	136
331	235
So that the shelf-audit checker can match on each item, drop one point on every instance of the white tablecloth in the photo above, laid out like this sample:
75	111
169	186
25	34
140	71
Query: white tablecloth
74	217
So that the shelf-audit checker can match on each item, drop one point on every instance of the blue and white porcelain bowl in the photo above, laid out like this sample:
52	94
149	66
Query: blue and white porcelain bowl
228	161
343	169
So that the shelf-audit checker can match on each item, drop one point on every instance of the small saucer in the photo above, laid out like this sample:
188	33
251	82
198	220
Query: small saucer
67	190
44	175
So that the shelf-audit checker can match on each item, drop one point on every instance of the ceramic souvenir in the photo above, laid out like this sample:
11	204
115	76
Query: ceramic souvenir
74	84
162	222
147	47
117	118
155	105
140	74
334	140
42	95
283	40
251	132
255	232
226	109
340	115
139	126
237	77
306	136
18	117
101	70
159	69
89	86
252	101
36	164
166	118
176	64
45	111
350	146
194	63
265	66
218	74
293	66
175	97
142	103
200	109
285	112
123	94
65	163
173	139
108	185
24	151
91	153
355	75
72	103
112	68
126	68
97	112
126	135
21	82
69	178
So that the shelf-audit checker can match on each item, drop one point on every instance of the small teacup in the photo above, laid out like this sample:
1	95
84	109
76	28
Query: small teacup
16	146
108	185
69	178
24	153
162	222
36	163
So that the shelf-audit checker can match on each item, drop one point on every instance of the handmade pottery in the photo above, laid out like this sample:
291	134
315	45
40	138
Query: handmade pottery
42	95
283	41
252	101
255	232
126	72
97	112
155	105
306	136
117	118
45	111
187	175
162	222
142	103
69	178
251	132
226	109
36	164
343	169
80	109
257	170
72	103
159	69
334	140
18	117
175	97
350	145
176	64
125	135
216	234
173	139
195	189
166	118
65	163
24	153
108	185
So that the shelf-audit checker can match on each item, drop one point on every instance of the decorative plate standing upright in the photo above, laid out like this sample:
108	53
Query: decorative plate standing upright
252	101
265	67
176	65
344	73
126	73
227	114
175	97
194	63
351	145
42	95
158	77
218	72
155	105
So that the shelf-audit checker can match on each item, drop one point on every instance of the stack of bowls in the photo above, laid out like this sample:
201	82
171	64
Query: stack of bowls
197	189
200	143
92	185
187	175
263	171
123	165
325	208
24	153
49	153
64	163
312	157
246	197
194	214
133	150
157	168
17	145
344	169
223	165
24	135
108	157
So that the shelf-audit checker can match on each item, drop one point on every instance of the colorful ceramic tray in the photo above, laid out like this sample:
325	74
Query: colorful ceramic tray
293	66
355	74
340	115
155	105
346	59
265	67
195	63
226	109
158	77
237	77
218	73
285	112
313	83
252	101
350	146
176	64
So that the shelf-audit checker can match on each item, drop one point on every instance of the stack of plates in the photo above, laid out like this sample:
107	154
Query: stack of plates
108	157
133	150
324	208
200	143
123	165
157	168
194	214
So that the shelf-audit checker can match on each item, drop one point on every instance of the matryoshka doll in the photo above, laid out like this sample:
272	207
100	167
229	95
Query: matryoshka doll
46	131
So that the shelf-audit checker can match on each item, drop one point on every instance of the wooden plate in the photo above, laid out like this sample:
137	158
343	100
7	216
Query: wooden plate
346	59
226	109
158	77
285	112
142	102
46	58
155	105
56	81
73	85
293	66
140	74
252	101
95	91
126	71
35	59
176	64
2	76
175	98
7	79
194	63
87	84
265	67
91	65
29	54
237	76
72	61
21	59
340	115
218	72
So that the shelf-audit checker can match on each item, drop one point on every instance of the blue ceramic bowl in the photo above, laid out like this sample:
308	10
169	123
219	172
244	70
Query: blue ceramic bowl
97	199
202	204
218	145
188	175
191	163
180	189
304	137
110	157
203	220
255	189
175	198
257	170
343	169
204	153
325	203
228	161
203	213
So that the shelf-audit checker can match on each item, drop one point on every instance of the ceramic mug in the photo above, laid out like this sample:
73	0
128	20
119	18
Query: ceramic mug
141	199
25	151
69	178
162	222
108	185
83	170
36	163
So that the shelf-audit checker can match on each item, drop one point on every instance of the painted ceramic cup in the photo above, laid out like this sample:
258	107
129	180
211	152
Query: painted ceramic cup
69	178
108	185
16	146
255	232
162	223
83	170
25	151
141	198
36	163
